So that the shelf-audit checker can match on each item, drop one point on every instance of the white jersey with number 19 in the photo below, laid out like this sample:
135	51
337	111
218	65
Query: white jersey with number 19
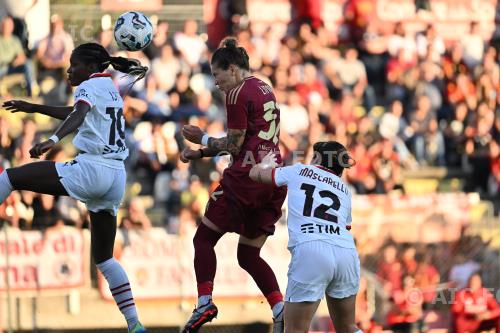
319	205
103	130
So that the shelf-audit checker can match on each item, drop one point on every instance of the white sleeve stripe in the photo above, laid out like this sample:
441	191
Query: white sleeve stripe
228	97
234	96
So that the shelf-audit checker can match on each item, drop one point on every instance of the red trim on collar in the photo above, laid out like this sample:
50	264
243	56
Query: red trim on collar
324	169
99	75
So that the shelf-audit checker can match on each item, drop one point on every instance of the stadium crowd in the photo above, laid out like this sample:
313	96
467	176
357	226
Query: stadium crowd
399	101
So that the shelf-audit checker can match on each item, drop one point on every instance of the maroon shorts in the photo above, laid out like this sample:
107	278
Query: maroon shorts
231	214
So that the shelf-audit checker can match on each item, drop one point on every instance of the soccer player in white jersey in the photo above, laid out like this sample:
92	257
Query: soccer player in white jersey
97	175
324	257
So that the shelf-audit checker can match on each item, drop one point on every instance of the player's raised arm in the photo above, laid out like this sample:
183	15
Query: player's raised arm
58	112
72	122
230	144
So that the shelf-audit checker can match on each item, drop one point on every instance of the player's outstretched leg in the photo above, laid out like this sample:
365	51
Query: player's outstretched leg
103	232
342	312
250	260
40	177
205	265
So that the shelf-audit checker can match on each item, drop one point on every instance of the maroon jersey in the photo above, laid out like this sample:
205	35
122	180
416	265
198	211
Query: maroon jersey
251	106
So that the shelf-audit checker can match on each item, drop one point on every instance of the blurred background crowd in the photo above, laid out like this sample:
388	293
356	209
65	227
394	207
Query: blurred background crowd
403	101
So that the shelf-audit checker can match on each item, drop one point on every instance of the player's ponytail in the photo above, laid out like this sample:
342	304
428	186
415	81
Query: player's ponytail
229	53
129	66
97	54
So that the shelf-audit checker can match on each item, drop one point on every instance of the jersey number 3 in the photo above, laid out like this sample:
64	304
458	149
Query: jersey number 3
116	126
321	211
270	117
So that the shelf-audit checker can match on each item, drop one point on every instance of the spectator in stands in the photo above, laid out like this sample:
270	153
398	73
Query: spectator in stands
455	135
25	141
428	142
53	55
475	308
473	46
6	141
154	50
426	278
107	40
164	71
195	197
12	57
294	122
386	167
352	74
182	98
394	127
310	84
462	270
190	44
453	63
406	314
365	313
430	44
402	40
306	11
477	149
390	270
136	217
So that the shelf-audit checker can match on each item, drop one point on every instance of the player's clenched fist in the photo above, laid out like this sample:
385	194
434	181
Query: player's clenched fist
192	133
41	148
188	155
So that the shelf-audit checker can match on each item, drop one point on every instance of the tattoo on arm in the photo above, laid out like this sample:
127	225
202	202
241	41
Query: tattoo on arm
259	177
231	143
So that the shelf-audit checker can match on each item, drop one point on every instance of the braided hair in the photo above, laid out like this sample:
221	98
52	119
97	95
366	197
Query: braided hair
229	53
97	54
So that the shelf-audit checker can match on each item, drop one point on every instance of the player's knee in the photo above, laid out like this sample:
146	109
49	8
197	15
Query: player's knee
247	255
205	238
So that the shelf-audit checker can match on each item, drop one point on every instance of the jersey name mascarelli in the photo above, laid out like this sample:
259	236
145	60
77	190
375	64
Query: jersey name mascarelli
103	130
319	205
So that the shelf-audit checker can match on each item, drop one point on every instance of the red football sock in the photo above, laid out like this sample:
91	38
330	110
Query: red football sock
205	261
250	260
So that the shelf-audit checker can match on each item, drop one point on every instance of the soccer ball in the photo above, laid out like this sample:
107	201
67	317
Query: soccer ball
133	31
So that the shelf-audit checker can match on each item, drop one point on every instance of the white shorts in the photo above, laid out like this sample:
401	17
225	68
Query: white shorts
318	268
97	183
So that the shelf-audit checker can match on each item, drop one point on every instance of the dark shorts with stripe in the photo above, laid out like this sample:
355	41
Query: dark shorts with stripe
250	212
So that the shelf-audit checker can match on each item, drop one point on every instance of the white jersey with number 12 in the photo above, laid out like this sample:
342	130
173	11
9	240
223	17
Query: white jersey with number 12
319	205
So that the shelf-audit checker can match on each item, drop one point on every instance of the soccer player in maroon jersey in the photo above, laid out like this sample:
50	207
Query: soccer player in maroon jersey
238	204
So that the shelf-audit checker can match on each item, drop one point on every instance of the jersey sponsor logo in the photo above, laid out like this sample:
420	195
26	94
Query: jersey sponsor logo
110	150
82	93
316	228
309	173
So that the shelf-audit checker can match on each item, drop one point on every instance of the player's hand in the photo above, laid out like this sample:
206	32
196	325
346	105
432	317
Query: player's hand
41	148
269	161
188	155
18	106
192	133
